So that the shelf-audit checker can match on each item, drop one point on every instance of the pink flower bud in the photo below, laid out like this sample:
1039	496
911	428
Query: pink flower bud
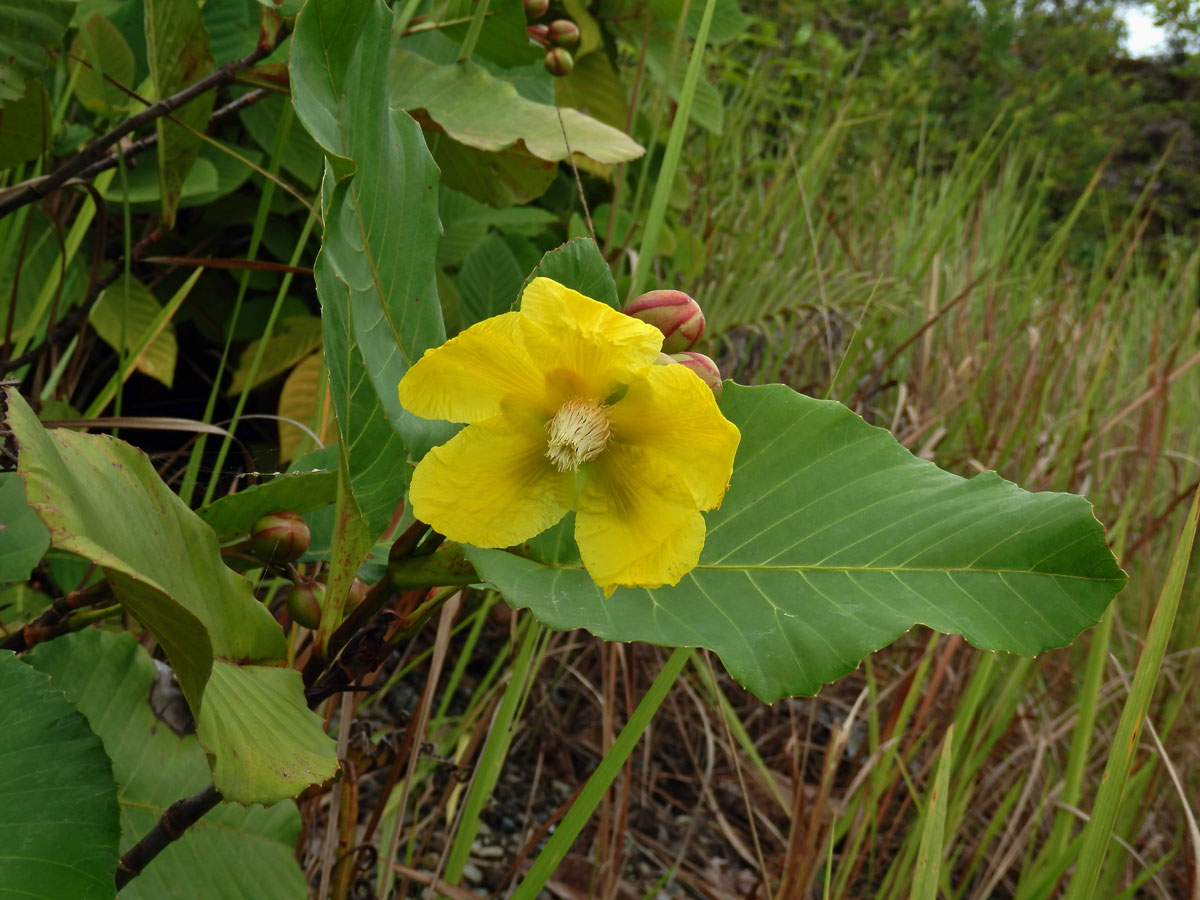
559	62
673	313
535	9
702	366
280	537
304	603
538	33
563	33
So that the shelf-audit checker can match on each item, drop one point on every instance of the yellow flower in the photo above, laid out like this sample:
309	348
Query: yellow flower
565	410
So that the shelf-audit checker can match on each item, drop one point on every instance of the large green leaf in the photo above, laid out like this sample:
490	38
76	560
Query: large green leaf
58	800
177	49
31	33
233	852
23	538
482	111
102	499
376	271
832	541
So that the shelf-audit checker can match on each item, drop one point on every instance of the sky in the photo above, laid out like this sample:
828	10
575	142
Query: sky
1144	38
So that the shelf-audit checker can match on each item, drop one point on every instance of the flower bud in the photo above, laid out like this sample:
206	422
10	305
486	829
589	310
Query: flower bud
673	313
702	366
280	536
535	9
358	593
559	62
304	603
538	33
563	33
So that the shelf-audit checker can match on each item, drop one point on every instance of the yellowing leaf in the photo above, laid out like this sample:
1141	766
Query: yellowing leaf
98	53
132	302
305	398
296	338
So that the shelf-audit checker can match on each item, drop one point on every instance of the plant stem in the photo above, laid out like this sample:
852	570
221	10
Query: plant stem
178	818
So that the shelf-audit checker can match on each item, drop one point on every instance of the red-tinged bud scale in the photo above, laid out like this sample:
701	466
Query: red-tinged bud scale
673	313
304	603
535	9
280	536
563	33
559	62
702	366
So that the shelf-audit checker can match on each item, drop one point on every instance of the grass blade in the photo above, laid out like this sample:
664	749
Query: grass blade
1097	833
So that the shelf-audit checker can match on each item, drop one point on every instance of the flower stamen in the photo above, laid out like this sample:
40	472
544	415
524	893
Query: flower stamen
578	433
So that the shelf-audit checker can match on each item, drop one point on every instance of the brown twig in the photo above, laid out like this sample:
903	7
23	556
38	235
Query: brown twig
38	188
179	817
142	144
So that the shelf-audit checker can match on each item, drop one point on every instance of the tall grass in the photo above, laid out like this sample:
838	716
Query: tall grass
946	306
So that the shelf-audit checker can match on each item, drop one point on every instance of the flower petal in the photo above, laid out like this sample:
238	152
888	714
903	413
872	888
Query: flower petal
637	524
673	415
574	334
491	485
470	377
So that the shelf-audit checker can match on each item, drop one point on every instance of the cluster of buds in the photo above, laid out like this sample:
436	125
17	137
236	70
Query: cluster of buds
283	537
681	322
555	37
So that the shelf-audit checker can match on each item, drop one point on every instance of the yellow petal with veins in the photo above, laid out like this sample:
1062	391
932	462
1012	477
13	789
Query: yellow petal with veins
636	522
476	375
673	413
491	485
569	333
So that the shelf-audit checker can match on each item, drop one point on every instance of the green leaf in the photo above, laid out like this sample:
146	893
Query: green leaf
593	87
507	178
831	542
503	40
177	49
232	517
108	55
489	281
25	127
132	302
232	27
579	265
102	499
58	800
143	185
295	338
481	111
269	713
233	852
23	538
31	32
301	157
376	270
